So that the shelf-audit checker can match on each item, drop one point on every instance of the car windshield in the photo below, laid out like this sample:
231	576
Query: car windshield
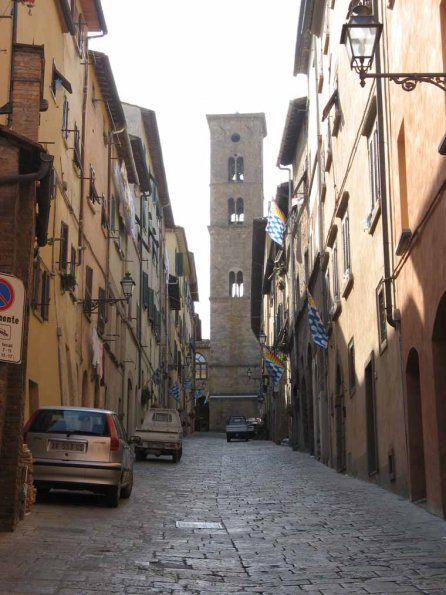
68	421
237	420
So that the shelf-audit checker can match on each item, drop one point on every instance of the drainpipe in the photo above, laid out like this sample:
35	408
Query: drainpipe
14	15
382	172
293	289
44	169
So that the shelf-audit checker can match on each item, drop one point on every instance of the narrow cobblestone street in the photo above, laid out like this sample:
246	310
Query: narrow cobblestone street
289	525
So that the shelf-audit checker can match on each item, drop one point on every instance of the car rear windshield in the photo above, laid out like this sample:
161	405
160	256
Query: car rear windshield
162	417
68	421
237	420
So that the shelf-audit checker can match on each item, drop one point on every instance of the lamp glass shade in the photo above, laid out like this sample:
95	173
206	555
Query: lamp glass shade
127	285
262	338
361	36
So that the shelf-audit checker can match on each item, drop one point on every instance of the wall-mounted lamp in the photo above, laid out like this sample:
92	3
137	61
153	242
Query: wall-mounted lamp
127	284
361	36
262	338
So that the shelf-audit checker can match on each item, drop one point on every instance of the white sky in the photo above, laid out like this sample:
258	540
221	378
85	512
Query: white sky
186	59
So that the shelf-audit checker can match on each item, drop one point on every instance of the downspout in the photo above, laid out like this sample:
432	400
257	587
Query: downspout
14	15
44	169
293	290
382	174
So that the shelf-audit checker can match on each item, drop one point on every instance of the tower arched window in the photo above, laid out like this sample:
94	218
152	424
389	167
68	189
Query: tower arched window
236	213
239	211
236	169
236	284
231	210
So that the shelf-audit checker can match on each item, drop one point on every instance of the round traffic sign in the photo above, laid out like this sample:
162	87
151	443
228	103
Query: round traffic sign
6	294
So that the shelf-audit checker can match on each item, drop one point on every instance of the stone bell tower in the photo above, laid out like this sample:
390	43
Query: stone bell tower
236	199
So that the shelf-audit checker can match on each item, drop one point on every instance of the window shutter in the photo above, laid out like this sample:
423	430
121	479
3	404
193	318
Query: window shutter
145	290
151	302
179	264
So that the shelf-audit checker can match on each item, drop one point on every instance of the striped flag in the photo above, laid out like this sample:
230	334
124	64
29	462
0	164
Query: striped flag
274	366
317	328
187	384
156	376
276	224
174	391
198	393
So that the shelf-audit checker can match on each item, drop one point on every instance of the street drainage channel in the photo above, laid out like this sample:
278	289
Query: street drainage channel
197	525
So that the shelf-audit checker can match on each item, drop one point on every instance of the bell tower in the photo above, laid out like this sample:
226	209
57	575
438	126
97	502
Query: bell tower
236	199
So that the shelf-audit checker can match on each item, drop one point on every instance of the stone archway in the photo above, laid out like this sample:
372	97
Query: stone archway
417	471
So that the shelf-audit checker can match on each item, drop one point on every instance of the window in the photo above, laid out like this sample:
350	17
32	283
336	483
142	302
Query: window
112	215
335	275
239	211
65	115
102	311
351	367
236	211
236	284
93	195
77	146
382	318
63	249
41	290
73	260
373	147
58	80
346	245
236	169
201	367
88	290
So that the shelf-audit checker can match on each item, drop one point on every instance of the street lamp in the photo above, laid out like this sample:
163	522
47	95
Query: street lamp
262	338
127	284
361	36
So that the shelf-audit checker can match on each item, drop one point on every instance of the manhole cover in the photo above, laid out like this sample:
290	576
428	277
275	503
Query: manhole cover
197	525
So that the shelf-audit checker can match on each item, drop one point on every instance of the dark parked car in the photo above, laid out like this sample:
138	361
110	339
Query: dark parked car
77	448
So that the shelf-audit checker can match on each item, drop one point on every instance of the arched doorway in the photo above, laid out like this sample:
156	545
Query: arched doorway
439	366
417	471
310	400
340	421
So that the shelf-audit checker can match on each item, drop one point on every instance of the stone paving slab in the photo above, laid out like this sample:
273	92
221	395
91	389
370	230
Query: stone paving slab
290	526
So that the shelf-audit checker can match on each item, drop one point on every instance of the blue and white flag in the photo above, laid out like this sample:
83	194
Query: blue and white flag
174	391
317	328
206	401
187	384
276	224
156	376
198	393
274	366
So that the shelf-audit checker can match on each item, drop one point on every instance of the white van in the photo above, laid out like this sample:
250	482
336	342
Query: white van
160	433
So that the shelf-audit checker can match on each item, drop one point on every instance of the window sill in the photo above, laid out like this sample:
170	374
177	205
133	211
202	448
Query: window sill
335	309
347	284
373	217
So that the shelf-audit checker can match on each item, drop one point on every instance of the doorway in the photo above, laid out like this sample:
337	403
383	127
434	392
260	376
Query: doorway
417	471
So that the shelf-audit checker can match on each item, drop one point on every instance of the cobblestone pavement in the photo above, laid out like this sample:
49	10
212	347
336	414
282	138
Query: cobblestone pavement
289	525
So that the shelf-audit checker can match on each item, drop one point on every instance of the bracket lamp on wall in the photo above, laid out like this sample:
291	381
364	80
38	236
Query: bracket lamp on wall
361	36
127	284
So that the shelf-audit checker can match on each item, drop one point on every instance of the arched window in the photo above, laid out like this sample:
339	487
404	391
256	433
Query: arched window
201	367
231	210
239	211
236	169
240	283
236	284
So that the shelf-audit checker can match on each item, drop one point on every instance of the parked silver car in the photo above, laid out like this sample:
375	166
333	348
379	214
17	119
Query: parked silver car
77	448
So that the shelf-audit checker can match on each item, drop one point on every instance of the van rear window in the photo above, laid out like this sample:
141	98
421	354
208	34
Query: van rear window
162	417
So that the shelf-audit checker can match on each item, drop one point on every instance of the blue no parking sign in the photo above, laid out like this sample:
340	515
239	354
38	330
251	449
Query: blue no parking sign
12	302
